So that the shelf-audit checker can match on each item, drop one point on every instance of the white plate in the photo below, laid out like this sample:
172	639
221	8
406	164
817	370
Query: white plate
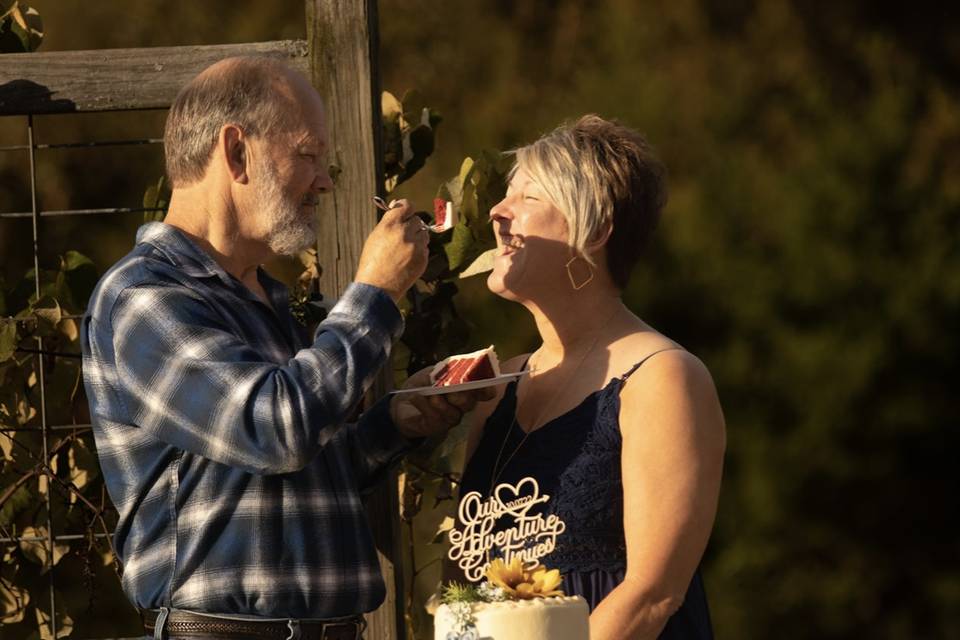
466	386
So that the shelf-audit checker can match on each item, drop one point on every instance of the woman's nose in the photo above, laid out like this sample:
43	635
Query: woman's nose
501	210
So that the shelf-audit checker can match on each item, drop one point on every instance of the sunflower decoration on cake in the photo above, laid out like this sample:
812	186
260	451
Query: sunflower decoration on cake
504	582
520	583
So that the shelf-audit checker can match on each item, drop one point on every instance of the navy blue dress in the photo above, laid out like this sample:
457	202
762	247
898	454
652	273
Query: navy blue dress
576	461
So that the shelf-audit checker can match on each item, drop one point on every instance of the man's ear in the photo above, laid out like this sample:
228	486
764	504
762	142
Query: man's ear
233	146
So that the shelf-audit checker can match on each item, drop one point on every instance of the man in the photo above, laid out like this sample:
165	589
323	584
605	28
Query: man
219	427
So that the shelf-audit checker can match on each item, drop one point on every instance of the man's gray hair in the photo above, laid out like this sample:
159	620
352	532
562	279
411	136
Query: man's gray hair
245	92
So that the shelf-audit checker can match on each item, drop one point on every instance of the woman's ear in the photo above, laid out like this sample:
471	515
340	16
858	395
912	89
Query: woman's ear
233	145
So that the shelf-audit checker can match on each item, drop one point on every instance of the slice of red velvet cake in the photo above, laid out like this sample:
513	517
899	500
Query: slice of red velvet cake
444	217
466	367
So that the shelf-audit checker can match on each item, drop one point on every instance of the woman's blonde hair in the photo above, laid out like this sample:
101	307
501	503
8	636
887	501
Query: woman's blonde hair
601	175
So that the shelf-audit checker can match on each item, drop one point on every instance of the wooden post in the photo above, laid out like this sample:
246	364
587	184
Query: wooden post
343	40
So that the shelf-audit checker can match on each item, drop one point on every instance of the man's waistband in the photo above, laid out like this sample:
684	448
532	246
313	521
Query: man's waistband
176	623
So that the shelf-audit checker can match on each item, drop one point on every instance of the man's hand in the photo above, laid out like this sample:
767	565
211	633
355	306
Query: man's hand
395	253
416	416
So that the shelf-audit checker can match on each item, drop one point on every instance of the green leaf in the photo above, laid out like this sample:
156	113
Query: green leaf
74	260
21	499
390	107
452	189
78	278
37	551
413	105
25	23
14	599
82	465
461	248
8	338
411	496
48	314
469	212
482	264
418	143
458	592
391	112
10	41
445	525
155	198
466	168
491	181
421	142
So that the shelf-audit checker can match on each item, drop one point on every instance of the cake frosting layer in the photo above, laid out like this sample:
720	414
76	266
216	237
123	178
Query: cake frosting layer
466	367
557	618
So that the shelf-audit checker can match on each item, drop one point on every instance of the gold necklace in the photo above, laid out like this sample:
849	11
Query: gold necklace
497	469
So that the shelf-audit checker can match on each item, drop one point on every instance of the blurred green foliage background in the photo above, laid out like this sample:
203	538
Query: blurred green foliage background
810	252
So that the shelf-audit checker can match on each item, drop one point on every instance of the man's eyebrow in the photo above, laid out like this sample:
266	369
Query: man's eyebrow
310	140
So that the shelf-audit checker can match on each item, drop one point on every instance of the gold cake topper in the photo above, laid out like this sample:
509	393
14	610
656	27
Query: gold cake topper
530	538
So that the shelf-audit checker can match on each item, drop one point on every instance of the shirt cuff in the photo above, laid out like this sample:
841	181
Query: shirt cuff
378	431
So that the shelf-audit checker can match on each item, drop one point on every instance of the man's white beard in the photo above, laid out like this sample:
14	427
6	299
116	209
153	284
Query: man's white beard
288	231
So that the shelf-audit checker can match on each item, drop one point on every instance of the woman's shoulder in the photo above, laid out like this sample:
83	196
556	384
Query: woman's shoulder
671	384
635	350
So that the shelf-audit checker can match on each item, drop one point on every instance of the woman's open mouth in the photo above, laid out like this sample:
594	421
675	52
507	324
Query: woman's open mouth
510	244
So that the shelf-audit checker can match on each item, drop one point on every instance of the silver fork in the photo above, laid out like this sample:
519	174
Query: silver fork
383	205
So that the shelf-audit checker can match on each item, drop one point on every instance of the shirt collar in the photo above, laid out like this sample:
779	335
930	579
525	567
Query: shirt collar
187	256
181	251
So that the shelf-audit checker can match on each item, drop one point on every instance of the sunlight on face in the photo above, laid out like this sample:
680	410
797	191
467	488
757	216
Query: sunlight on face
531	236
289	231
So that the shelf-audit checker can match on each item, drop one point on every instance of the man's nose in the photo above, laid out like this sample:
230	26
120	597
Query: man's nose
323	181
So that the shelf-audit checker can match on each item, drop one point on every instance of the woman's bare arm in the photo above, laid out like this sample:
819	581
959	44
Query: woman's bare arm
673	444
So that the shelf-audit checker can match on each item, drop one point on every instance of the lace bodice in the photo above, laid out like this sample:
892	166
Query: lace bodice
576	460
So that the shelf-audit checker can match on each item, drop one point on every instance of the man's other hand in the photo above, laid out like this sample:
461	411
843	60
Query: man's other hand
395	253
418	416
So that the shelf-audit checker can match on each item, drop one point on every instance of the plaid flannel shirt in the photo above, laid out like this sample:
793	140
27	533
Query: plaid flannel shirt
220	433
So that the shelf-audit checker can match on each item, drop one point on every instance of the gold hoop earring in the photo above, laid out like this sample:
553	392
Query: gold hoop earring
573	282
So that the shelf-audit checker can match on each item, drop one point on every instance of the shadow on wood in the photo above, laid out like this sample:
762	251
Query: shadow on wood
26	96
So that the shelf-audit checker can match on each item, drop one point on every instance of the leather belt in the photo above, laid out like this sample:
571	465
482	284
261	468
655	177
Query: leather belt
187	624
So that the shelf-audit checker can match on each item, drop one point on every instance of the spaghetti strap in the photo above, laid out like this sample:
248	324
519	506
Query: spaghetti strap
624	377
515	383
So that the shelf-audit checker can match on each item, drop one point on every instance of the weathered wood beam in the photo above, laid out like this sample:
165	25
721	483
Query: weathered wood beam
116	79
343	40
339	38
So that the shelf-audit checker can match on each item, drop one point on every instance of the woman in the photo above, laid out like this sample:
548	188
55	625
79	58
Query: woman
621	426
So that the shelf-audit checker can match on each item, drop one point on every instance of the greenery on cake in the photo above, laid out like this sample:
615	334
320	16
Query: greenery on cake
459	592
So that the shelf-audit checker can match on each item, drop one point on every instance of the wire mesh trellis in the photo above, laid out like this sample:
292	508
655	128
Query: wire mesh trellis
139	79
54	533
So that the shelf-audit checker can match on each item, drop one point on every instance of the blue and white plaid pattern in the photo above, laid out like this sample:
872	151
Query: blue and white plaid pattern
220	433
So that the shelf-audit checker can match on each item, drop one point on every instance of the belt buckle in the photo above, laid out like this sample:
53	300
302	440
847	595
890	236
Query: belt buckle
358	628
294	627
